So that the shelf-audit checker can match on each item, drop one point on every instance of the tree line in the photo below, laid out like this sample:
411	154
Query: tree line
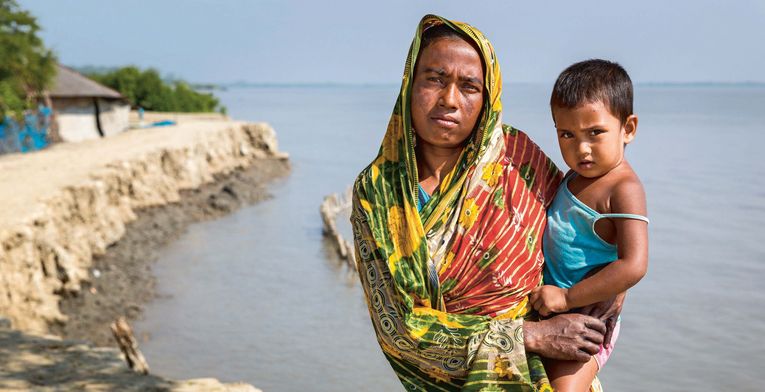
147	90
28	69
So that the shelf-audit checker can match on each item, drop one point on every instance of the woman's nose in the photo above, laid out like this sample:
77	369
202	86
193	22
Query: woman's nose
449	96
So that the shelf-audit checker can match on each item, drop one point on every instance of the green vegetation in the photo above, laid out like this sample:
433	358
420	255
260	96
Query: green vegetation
27	67
146	89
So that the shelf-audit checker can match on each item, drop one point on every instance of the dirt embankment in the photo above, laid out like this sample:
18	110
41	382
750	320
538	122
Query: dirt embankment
79	225
124	281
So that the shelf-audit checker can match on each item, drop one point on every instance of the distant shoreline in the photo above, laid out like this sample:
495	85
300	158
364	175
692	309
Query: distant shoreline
701	84
330	85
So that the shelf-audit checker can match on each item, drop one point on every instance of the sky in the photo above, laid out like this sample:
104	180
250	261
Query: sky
356	41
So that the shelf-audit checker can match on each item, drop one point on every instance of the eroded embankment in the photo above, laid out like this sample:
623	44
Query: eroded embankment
62	207
121	281
80	222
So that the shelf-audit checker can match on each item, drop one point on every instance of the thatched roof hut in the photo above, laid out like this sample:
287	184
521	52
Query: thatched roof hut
72	84
84	109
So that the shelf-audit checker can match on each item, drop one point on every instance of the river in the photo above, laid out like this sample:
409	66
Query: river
258	296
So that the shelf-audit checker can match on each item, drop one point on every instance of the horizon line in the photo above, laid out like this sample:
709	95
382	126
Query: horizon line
244	84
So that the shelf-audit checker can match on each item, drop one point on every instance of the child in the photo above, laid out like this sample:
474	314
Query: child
597	219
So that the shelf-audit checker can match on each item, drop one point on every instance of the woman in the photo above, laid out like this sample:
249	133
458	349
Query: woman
447	225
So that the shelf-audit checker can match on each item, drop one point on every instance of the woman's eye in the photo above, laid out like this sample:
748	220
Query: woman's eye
471	88
435	79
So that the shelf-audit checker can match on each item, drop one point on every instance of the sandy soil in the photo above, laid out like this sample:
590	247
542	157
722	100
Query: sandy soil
27	177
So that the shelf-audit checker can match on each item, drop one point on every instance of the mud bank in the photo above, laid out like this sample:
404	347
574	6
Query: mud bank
48	363
121	281
79	227
64	206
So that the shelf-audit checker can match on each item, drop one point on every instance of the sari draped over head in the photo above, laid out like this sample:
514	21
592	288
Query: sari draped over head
447	286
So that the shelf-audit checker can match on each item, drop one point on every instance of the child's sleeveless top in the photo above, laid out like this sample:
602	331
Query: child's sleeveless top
571	246
422	197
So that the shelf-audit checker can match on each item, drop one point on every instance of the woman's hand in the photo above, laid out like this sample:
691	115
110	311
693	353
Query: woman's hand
608	312
568	336
549	299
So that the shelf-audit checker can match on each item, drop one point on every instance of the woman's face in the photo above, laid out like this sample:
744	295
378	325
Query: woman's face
447	93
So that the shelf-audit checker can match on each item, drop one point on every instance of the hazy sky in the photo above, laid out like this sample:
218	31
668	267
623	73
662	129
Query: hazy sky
355	41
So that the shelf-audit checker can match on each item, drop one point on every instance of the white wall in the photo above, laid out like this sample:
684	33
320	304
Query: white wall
77	121
114	116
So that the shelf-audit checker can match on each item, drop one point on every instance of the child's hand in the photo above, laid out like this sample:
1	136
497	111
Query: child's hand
549	299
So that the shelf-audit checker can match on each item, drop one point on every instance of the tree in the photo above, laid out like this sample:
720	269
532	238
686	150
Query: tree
27	67
146	89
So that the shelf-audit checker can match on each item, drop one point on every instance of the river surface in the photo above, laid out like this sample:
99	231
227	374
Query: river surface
258	296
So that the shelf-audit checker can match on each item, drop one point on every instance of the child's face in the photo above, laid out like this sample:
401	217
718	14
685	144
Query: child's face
592	139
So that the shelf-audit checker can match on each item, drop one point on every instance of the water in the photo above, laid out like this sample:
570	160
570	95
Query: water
258	296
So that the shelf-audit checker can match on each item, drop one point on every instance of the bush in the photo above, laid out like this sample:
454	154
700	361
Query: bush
146	89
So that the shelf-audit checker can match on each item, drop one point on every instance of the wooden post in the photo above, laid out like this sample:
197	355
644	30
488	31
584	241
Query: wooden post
125	339
330	208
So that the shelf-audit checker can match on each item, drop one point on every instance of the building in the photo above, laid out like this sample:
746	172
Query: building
84	109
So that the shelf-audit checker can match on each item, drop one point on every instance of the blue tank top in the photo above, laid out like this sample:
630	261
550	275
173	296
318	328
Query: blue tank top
571	246
422	197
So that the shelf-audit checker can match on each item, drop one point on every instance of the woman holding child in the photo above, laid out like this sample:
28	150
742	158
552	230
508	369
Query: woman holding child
448	223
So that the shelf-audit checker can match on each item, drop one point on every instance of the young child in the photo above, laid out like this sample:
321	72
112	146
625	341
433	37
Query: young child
596	241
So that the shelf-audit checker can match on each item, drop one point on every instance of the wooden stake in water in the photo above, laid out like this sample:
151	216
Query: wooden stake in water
125	339
330	208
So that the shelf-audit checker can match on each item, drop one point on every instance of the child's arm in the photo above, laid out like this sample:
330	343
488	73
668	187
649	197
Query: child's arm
617	276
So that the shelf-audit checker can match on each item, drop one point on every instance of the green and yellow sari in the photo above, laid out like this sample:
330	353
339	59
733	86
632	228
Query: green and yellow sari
447	286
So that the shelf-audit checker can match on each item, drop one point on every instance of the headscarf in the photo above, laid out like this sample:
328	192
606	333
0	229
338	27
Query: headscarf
447	286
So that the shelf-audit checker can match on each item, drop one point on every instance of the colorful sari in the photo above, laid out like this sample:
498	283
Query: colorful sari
447	286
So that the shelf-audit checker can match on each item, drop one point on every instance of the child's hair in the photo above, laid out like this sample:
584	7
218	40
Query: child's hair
591	81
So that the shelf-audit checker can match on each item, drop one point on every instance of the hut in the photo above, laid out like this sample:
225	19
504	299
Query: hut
84	109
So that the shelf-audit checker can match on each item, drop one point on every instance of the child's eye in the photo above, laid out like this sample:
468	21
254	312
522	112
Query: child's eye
596	132
566	135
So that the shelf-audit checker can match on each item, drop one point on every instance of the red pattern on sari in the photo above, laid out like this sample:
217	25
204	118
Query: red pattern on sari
513	231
